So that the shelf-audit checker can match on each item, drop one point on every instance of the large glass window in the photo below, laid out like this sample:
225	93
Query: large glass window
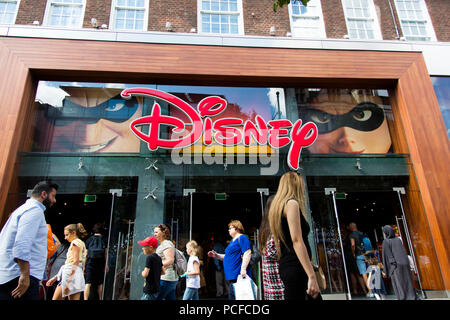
220	16
442	89
65	13
351	121
307	22
415	20
129	15
361	18
8	11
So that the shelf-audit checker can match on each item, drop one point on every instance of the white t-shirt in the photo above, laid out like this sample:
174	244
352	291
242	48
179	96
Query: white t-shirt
192	281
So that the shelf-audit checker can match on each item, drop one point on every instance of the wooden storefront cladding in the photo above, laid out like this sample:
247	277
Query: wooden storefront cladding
422	134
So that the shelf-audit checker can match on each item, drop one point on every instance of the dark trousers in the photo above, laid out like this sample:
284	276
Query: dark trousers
231	295
31	294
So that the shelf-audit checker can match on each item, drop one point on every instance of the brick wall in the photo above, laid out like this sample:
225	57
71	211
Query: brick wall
386	19
333	15
439	11
182	14
98	9
31	10
259	17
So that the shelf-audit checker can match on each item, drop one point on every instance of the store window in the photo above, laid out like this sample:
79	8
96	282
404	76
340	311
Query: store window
361	19
307	22
415	20
349	121
220	16
94	118
131	15
65	13
442	89
8	11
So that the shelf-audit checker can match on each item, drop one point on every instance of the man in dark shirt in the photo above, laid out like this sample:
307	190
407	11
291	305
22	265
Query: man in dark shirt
153	268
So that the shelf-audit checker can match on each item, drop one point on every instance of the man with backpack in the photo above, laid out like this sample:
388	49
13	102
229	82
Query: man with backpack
95	264
361	247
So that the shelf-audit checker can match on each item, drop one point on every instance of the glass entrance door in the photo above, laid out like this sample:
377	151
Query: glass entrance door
333	210
120	246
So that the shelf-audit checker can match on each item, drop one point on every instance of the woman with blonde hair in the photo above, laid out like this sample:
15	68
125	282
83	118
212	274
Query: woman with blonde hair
71	273
289	227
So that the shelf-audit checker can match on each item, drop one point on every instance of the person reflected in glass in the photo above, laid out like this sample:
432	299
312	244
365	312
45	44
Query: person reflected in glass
348	122
236	258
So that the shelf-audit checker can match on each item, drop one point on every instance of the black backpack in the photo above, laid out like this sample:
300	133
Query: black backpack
96	247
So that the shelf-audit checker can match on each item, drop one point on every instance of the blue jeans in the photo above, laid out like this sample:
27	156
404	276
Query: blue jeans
190	294
167	290
152	296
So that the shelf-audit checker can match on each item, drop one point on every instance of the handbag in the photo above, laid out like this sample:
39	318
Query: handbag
244	288
320	276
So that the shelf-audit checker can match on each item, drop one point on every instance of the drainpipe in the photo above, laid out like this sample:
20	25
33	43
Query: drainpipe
393	18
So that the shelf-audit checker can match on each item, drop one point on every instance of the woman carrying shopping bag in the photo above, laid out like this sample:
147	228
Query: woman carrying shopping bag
237	256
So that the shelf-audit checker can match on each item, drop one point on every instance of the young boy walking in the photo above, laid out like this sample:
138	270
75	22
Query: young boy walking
153	268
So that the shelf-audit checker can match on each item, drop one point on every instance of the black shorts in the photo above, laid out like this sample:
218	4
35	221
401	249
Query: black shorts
95	270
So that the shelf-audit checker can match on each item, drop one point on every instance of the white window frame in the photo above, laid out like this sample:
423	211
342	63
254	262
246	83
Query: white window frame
112	17
319	16
47	16
15	15
373	18
427	19
240	14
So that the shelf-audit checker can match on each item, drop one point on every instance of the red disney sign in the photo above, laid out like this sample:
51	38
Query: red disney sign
223	131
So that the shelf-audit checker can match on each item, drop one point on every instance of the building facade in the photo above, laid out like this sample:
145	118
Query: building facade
188	112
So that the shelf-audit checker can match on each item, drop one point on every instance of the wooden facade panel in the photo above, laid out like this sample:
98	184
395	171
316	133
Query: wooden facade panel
183	59
418	133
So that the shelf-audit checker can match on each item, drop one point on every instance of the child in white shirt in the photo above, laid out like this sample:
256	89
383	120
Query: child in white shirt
192	272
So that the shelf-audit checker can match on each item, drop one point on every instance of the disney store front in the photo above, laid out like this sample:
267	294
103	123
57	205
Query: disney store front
196	157
194	136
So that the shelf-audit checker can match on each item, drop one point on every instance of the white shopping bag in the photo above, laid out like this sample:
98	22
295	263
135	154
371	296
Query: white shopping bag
245	288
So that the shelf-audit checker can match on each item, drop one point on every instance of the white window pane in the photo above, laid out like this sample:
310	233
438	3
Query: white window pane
215	6
224	19
206	27
206	18
224	28
234	19
120	14
120	24
140	3
121	2
215	18
140	14
139	25
234	29
215	28
129	24
206	5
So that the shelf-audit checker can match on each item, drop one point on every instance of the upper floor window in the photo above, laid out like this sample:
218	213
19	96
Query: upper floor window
65	13
220	16
361	19
307	21
415	20
131	15
8	11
